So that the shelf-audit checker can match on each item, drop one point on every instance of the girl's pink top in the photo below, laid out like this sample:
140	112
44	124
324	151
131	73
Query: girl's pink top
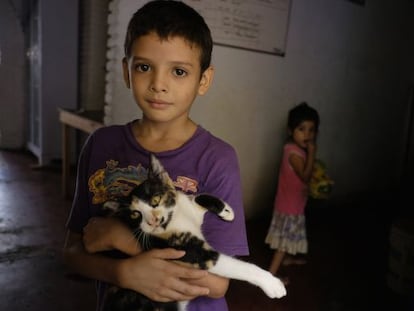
291	195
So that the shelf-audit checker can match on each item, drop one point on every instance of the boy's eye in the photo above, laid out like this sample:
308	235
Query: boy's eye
179	72
142	67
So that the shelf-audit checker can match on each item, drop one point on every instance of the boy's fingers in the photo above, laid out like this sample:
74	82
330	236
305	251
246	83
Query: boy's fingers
189	272
180	271
184	291
175	285
168	253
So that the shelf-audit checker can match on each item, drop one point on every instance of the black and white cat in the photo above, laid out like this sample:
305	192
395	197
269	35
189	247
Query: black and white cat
161	216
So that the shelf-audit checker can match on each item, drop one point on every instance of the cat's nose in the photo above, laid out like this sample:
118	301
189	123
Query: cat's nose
155	221
152	222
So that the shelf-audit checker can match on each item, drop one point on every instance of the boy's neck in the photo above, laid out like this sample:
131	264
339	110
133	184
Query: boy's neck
161	137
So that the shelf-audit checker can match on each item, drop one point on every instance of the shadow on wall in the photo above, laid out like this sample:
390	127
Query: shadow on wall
12	69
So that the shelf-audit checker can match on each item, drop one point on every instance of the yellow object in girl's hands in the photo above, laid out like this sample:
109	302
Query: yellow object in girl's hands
320	185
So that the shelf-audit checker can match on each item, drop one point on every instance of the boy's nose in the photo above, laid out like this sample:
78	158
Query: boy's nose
156	89
158	84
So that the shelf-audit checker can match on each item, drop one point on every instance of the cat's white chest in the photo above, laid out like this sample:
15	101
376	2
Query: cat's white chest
188	217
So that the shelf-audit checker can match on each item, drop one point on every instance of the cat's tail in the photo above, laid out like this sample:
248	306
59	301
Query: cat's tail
241	270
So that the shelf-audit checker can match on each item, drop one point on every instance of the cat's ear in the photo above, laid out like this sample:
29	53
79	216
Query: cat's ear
156	170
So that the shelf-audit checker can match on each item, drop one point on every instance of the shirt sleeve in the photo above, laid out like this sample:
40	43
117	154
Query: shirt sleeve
223	180
80	212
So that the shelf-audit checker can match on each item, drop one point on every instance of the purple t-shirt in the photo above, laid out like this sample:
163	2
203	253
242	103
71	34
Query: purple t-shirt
111	162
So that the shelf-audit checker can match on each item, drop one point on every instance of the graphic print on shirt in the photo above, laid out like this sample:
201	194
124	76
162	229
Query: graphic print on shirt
186	184
114	182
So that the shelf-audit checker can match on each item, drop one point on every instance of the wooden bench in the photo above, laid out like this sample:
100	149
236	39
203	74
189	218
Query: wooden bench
83	120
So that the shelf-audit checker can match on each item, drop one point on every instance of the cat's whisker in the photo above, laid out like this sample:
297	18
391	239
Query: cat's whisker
137	234
143	238
133	238
147	240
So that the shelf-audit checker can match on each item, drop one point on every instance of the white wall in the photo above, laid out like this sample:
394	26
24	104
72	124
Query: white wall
348	61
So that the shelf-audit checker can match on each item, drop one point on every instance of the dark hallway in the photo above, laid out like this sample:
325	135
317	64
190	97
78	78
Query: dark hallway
347	269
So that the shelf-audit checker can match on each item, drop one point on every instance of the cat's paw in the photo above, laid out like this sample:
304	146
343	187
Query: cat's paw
273	287
227	213
215	205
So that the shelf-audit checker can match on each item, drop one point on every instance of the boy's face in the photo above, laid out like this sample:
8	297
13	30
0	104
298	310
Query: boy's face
164	76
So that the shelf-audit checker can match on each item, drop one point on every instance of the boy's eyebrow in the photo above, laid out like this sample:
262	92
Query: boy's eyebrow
181	63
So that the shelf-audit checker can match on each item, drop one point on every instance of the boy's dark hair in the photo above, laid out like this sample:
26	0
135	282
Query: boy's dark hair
300	113
167	19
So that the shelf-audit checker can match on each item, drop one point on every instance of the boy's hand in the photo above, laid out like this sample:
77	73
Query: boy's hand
102	234
153	274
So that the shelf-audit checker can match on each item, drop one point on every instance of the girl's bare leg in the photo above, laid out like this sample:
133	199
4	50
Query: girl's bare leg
276	261
293	260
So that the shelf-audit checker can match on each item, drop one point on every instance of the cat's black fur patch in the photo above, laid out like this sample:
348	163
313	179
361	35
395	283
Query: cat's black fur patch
195	252
213	204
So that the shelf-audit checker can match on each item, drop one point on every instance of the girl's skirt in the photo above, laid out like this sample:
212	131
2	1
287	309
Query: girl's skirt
288	233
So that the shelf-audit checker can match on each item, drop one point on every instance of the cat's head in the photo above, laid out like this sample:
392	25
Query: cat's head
150	205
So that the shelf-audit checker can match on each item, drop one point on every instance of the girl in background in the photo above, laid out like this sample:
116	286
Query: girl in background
287	231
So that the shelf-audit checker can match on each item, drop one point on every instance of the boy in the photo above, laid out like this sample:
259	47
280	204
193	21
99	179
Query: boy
167	64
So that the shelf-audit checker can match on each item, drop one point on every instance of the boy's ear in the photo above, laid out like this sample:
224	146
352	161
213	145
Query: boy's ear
126	72
206	80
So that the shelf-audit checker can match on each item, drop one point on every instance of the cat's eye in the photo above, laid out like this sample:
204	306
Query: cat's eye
155	200
135	214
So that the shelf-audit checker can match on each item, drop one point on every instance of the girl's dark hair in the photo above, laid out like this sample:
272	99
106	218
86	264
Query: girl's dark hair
300	113
171	18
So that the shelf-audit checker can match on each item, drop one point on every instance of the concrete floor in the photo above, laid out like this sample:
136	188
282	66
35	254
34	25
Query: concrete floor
32	219
347	262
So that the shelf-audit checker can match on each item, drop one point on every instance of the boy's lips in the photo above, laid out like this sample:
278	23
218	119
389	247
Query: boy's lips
158	104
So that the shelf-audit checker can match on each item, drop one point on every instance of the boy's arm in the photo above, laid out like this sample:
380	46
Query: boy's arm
217	285
101	234
104	234
150	273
